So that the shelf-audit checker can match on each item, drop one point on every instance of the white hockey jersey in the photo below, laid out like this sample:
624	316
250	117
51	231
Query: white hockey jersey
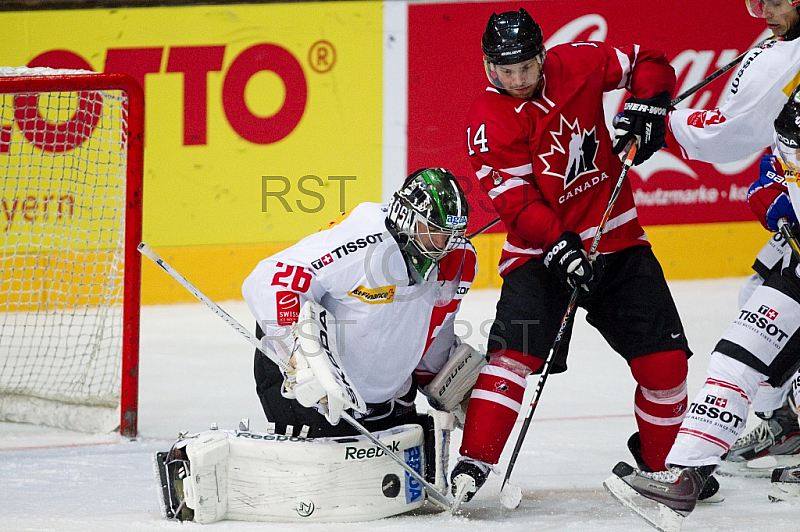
388	327
743	124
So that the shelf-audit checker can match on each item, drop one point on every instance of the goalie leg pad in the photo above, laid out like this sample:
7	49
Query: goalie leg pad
249	476
437	447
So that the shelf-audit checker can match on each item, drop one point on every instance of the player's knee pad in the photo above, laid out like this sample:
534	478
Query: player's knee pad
515	361
248	476
662	371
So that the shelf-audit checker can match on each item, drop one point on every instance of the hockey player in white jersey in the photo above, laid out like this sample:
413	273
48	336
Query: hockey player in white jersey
741	126
378	289
394	276
761	344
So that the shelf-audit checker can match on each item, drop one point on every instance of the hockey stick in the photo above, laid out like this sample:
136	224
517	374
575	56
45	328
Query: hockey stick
510	495
786	231
482	229
148	252
694	88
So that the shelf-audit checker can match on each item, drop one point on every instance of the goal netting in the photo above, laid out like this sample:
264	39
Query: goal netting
71	152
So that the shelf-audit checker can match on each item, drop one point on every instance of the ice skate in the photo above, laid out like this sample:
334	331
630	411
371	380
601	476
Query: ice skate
785	484
775	442
467	478
661	498
171	468
709	493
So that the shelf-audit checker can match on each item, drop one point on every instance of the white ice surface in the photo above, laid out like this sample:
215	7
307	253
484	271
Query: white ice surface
196	370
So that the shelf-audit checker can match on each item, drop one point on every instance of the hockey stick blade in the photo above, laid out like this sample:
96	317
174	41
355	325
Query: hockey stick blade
658	515
511	496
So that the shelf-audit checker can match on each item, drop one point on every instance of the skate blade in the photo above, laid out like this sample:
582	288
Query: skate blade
160	474
758	467
714	499
658	515
461	494
784	491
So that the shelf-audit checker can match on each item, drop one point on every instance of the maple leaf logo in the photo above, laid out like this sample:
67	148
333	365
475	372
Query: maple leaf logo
577	158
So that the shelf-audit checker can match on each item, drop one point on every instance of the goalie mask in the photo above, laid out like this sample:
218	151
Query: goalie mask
787	133
513	51
428	217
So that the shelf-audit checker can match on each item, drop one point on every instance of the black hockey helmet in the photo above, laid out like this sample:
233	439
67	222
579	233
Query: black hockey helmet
511	37
787	132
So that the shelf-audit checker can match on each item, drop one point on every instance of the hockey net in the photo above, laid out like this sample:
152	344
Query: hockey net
71	152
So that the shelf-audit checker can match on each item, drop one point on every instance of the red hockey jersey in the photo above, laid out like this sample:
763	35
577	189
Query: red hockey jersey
546	163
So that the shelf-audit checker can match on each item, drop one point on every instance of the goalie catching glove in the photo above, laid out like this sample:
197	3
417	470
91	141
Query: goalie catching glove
317	377
643	120
768	196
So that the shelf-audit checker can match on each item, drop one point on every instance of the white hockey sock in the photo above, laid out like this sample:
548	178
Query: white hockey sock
718	414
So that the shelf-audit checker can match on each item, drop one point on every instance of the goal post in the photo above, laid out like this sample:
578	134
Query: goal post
71	149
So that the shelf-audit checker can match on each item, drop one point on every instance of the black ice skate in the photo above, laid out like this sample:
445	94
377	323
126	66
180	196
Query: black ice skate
709	493
661	498
467	477
775	442
785	484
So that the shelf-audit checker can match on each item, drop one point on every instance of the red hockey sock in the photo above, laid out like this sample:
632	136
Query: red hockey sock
660	402
495	404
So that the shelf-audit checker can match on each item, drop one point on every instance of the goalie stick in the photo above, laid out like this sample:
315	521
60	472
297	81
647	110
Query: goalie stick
435	495
510	495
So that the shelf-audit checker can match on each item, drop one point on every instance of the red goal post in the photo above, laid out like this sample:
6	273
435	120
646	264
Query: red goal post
71	146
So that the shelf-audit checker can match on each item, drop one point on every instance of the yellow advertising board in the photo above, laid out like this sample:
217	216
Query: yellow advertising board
263	122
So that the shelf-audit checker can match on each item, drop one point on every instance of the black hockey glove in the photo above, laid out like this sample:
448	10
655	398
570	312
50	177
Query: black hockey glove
645	120
567	258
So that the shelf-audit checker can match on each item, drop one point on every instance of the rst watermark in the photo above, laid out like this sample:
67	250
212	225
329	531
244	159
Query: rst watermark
278	186
314	192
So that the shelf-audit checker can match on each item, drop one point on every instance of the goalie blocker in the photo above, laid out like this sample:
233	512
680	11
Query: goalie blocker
250	476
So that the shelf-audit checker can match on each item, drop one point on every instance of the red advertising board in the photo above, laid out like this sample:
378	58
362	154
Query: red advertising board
446	75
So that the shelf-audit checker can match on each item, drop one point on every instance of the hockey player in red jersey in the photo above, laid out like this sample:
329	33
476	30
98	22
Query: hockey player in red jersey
539	146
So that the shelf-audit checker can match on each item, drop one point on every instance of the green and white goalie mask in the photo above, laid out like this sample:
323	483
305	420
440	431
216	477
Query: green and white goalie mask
428	216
